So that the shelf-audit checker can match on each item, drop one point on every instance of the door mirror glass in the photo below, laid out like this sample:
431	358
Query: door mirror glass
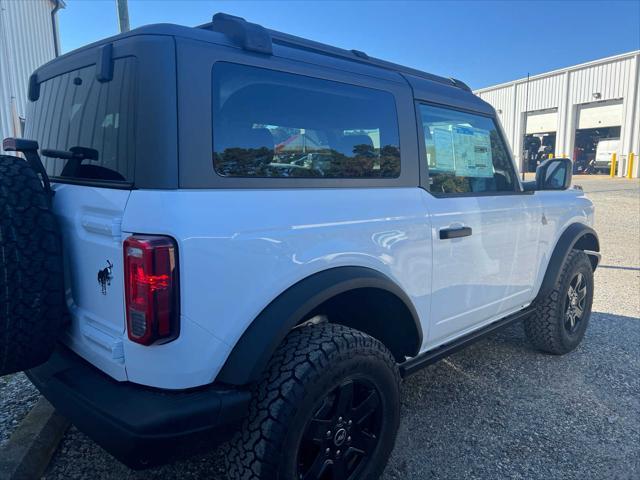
554	174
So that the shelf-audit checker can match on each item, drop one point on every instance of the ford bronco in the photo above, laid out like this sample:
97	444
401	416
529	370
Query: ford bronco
234	234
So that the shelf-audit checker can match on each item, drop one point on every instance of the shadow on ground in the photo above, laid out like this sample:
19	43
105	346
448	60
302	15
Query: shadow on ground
501	409
498	409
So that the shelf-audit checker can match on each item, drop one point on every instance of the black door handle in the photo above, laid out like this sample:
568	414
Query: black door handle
447	233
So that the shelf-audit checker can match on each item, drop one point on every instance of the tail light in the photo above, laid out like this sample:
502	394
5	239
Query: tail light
151	289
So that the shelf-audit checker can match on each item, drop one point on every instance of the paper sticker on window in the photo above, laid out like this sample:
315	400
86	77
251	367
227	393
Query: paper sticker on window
472	151
444	150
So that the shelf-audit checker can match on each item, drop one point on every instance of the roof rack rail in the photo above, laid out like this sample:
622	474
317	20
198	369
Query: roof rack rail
250	36
461	84
256	38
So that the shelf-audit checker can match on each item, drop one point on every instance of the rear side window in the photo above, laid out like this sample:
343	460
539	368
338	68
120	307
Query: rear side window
465	153
76	110
274	124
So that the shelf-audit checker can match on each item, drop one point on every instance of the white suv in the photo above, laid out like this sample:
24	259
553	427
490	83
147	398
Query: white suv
231	232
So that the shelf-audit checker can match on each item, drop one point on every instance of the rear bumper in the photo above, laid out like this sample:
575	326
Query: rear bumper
138	425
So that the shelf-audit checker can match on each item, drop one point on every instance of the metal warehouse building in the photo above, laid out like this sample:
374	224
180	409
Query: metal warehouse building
568	112
28	38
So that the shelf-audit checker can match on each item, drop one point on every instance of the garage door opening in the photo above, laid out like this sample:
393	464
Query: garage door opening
538	147
593	149
539	141
597	136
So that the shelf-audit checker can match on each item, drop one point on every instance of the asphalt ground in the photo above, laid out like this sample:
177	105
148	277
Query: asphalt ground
498	409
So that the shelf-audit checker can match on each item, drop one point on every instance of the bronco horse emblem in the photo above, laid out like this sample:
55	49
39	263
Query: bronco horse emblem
104	277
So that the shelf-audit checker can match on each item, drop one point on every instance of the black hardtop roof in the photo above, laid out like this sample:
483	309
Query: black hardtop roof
236	32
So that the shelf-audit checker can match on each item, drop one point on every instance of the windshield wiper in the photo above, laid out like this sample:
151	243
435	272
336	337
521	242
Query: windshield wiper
75	156
74	153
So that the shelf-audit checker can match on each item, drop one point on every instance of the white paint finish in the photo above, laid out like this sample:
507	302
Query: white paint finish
484	275
610	79
604	153
631	117
503	101
542	122
90	220
239	249
544	93
634	126
194	358
560	209
26	42
565	134
594	115
613	78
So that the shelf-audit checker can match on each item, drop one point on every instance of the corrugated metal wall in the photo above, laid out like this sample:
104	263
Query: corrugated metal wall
26	42
614	78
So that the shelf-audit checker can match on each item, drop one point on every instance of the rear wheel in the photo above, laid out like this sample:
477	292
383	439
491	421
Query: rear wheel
561	319
327	408
31	278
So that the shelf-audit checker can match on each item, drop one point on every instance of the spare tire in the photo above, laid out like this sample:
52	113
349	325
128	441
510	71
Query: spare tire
32	302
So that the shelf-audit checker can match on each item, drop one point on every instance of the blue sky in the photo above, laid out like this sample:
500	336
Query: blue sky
481	43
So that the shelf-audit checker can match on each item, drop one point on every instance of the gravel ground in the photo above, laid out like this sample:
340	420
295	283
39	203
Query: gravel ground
17	397
499	409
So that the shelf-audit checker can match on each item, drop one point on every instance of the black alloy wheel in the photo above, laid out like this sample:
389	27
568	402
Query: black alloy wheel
575	303
561	317
342	434
327	408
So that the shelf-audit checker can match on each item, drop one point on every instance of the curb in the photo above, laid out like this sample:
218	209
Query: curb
28	451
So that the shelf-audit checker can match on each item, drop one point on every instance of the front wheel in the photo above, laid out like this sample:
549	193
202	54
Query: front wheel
560	320
327	407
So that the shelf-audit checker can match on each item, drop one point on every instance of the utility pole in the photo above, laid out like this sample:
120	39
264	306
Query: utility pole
123	15
525	158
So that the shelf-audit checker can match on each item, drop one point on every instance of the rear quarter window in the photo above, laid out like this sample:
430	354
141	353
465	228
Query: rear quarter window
76	110
275	124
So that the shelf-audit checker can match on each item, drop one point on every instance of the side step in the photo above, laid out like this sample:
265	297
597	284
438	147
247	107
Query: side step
430	357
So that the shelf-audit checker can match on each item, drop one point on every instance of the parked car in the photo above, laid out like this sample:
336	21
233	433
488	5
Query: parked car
168	273
604	154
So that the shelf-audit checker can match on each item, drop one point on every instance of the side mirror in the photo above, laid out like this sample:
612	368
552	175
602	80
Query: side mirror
554	174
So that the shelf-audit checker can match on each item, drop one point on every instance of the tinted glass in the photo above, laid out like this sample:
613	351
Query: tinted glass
465	153
556	175
75	110
274	124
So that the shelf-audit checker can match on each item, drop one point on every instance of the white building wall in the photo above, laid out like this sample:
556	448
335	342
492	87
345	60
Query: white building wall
614	78
26	42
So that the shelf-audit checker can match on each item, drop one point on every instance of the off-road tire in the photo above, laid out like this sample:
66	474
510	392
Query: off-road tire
312	359
31	275
545	328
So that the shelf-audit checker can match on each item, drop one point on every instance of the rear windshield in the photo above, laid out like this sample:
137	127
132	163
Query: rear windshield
76	110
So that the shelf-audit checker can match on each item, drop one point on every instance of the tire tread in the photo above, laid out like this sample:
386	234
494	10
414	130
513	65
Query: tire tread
302	358
31	275
543	327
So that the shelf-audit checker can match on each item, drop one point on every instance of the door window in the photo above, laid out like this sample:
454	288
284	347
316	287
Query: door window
465	153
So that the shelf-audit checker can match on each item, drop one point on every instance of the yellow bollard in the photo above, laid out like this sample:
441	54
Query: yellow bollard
612	172
630	166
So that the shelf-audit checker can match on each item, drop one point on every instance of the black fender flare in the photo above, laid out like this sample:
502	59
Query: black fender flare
579	236
255	347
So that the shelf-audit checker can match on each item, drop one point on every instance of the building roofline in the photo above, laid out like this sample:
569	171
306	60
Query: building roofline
579	66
